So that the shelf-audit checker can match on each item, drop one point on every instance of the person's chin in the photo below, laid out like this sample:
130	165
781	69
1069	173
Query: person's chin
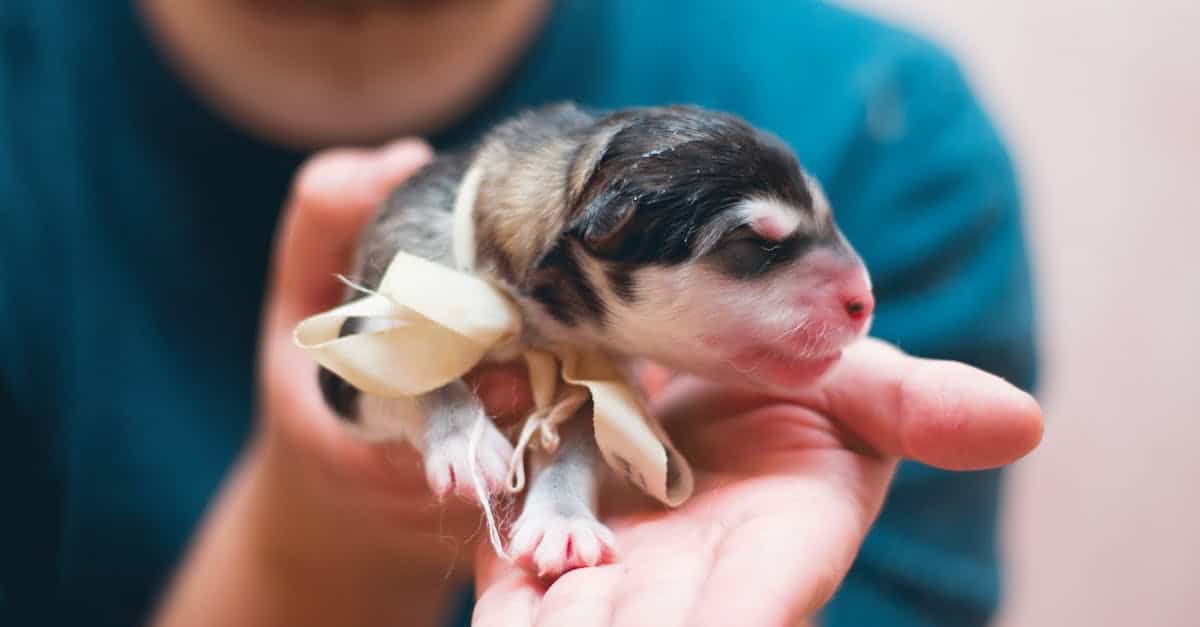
350	7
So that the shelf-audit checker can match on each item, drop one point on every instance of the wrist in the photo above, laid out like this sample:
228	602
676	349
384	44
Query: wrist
309	511
272	553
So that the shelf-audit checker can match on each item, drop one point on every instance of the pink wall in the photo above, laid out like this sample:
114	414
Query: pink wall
1101	102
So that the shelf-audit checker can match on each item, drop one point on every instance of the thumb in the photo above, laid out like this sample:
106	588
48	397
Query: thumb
942	413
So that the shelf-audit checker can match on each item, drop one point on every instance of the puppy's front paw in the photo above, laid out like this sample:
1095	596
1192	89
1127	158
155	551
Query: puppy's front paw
448	464
553	543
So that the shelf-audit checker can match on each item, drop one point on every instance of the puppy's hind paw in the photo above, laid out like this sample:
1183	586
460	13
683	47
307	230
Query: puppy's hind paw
448	463
552	544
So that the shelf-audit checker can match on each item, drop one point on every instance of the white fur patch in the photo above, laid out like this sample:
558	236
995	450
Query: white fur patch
772	219
383	419
678	310
463	237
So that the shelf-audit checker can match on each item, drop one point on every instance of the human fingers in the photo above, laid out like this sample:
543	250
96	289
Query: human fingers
506	595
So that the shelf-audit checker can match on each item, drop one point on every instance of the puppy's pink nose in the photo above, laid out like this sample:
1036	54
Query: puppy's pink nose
856	297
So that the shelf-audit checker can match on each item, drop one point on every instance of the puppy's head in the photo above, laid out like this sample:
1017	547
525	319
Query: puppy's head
702	244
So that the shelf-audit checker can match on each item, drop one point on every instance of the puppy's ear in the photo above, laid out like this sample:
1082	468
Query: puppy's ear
604	220
598	212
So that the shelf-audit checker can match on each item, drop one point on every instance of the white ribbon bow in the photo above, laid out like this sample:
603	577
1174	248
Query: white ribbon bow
433	324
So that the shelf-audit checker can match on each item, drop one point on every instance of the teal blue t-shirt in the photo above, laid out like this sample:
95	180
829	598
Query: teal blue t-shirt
135	226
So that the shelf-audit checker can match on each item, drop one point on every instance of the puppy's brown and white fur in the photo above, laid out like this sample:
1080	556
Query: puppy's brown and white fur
674	234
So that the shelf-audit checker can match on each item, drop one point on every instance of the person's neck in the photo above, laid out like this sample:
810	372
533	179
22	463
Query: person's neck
314	76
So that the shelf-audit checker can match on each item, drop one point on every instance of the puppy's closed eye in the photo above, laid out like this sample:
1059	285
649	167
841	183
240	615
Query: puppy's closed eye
744	253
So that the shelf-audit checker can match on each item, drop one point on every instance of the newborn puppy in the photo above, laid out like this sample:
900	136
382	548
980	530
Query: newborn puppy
675	234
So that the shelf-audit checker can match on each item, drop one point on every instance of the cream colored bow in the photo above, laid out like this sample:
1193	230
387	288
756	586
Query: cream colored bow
433	324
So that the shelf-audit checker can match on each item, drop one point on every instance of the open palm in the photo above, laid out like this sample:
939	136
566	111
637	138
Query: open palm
786	491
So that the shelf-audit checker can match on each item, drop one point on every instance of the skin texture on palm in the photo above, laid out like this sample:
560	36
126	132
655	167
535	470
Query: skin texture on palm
786	491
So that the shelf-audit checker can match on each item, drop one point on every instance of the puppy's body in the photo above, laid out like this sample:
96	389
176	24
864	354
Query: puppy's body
673	234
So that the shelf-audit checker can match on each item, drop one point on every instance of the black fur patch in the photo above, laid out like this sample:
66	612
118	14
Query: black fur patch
340	396
683	167
750	257
622	282
564	289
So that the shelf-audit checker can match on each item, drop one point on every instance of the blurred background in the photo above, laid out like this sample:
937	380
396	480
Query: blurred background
1100	102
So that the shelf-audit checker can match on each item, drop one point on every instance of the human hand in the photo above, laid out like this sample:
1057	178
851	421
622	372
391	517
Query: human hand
314	527
336	498
786	490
